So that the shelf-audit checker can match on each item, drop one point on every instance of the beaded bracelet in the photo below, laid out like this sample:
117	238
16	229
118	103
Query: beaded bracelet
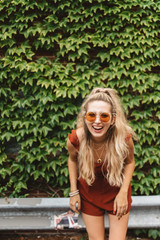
74	193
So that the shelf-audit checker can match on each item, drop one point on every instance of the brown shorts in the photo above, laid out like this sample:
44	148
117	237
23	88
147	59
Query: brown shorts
93	210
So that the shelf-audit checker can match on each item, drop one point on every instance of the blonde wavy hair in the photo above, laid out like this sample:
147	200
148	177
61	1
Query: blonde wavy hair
117	149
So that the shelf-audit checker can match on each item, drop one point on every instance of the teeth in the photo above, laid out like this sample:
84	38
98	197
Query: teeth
97	128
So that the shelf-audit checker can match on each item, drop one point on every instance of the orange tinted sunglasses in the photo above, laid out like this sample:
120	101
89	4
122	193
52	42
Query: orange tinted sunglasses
104	117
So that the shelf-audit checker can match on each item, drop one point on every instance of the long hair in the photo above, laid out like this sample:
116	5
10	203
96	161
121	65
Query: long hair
116	146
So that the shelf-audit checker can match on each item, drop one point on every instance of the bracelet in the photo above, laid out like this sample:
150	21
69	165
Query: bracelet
74	193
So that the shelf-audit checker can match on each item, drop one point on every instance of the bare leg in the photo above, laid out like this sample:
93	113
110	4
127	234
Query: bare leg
94	226
118	228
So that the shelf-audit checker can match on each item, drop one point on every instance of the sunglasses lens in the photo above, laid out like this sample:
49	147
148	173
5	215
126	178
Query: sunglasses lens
91	116
105	117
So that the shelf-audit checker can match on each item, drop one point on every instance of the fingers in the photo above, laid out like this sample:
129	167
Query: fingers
79	206
73	207
121	210
115	207
75	203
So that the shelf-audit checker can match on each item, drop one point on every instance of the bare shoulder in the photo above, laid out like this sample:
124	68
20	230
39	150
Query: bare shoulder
130	143
80	133
70	147
71	150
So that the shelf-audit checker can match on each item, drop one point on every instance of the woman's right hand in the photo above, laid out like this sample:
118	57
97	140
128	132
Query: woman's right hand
74	201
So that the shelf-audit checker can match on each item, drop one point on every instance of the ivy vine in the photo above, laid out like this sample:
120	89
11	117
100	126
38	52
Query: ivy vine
52	53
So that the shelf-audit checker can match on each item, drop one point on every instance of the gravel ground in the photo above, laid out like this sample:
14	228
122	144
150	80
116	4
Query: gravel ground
65	235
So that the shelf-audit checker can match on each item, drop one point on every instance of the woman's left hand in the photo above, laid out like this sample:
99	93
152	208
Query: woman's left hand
121	204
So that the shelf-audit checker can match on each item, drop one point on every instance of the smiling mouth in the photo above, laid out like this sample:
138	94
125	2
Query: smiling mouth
97	128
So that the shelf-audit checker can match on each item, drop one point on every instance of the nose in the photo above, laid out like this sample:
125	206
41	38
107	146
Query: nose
97	119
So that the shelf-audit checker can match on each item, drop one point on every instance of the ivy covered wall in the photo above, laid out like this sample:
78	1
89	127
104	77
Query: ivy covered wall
52	53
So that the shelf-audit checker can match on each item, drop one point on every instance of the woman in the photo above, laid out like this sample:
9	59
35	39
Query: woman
101	165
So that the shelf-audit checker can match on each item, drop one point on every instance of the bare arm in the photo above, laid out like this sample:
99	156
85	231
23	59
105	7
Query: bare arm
72	166
73	175
129	167
121	201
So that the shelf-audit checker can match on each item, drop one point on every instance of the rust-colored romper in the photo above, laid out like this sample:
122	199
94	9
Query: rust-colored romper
100	196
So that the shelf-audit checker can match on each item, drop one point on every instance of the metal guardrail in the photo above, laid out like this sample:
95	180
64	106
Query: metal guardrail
37	213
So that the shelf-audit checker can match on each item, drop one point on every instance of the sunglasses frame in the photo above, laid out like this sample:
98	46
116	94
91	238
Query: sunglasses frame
100	115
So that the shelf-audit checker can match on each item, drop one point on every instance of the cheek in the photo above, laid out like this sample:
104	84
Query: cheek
107	125
88	124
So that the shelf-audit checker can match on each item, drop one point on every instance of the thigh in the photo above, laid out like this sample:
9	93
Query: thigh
95	226
118	228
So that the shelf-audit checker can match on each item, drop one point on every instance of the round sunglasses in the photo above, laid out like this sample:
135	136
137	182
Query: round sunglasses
104	117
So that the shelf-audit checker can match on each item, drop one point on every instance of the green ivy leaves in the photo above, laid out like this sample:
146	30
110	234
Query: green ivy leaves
51	55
